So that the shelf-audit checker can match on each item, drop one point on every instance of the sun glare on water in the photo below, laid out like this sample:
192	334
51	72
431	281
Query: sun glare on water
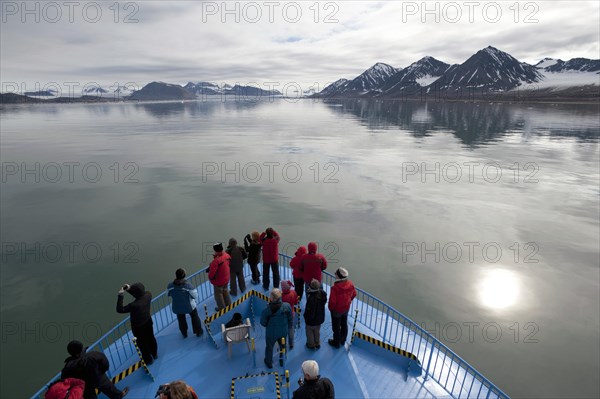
499	289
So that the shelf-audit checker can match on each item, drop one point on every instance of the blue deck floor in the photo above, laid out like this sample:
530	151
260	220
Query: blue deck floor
358	371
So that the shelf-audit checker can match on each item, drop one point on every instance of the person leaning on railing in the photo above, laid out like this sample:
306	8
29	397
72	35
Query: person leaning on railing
253	246
90	367
141	319
185	297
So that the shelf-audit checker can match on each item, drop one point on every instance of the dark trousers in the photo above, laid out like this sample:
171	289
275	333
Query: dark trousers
255	272
196	325
299	287
339	324
146	341
270	343
276	279
105	386
241	281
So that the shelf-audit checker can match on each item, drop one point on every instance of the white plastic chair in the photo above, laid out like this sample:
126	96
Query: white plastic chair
236	334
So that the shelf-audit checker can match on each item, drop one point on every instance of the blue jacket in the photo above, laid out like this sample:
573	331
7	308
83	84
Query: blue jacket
277	317
184	296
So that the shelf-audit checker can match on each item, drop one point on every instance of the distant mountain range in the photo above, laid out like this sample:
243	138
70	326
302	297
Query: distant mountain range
488	70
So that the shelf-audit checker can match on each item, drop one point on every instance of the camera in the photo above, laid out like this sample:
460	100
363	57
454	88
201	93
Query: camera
300	381
125	287
162	390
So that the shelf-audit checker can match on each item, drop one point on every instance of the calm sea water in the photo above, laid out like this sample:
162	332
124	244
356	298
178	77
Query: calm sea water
478	221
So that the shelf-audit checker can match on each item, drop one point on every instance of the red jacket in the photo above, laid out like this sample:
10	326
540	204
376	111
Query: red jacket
73	387
312	264
341	296
218	271
290	297
295	262
270	248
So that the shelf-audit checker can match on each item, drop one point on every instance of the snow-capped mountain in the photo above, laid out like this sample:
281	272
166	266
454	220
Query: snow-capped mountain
370	80
94	90
488	69
577	72
575	64
204	88
421	73
331	89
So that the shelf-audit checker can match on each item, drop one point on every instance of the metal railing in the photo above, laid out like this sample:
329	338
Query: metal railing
439	362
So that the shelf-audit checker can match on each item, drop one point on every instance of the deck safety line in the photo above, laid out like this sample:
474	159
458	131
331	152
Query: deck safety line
137	348
210	319
386	346
277	384
207	325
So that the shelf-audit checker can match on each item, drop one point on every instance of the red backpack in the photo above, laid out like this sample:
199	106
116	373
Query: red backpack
67	388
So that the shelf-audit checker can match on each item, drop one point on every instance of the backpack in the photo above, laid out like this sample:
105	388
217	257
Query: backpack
67	388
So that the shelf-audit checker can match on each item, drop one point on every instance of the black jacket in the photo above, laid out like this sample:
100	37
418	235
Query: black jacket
253	249
314	314
89	367
140	308
320	388
238	254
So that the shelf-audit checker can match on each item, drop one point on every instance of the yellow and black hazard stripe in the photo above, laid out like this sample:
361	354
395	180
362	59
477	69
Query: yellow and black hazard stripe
125	373
386	346
239	301
277	383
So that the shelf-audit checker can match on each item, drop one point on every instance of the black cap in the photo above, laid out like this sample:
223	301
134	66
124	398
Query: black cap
180	274
75	348
218	247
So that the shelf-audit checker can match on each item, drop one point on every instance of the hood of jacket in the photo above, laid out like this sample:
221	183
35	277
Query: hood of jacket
344	285
312	247
275	306
232	243
180	282
300	251
137	290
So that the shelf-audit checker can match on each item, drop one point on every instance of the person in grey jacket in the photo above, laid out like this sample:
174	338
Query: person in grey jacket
184	297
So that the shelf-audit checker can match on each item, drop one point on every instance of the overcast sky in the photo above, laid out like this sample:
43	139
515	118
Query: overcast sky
280	42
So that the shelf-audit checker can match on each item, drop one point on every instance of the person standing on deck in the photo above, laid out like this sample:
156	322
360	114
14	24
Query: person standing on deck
290	297
90	367
185	298
141	319
236	267
297	272
253	247
270	252
314	314
340	298
277	318
218	274
313	386
312	265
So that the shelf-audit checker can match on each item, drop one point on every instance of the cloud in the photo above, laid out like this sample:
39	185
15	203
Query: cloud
178	41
